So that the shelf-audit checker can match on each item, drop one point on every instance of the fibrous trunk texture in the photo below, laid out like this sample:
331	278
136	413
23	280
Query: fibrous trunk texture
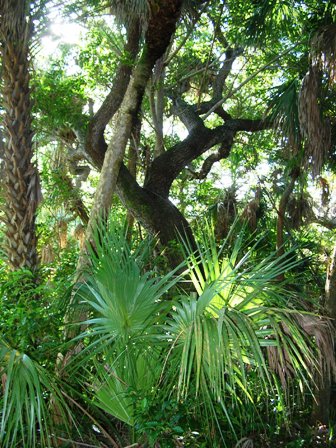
20	176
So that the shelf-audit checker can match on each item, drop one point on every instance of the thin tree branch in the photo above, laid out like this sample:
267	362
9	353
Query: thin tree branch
208	163
188	34
249	78
95	142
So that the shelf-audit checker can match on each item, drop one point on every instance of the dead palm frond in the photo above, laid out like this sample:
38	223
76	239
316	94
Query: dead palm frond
127	11
314	127
225	214
47	254
314	327
79	234
251	211
323	51
325	190
299	209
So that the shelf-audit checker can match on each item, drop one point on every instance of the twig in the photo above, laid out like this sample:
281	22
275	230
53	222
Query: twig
104	432
77	443
191	29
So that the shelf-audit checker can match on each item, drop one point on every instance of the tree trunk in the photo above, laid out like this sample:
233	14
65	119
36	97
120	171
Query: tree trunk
132	167
20	175
160	29
330	287
116	151
95	138
281	215
324	396
156	213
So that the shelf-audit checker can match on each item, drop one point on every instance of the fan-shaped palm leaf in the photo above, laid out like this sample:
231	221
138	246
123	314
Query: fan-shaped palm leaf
127	307
204	343
26	389
241	309
284	113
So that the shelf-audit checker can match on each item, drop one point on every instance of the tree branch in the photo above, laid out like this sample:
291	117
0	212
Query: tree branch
224	71
95	143
164	169
187	114
208	163
161	27
249	78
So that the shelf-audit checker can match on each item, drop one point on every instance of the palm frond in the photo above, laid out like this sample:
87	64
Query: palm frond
268	16
283	109
127	305
244	308
314	128
24	412
240	319
323	50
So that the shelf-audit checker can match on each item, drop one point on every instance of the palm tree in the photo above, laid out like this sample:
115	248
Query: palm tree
20	175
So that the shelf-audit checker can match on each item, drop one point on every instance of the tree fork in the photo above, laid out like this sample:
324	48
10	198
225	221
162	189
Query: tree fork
161	27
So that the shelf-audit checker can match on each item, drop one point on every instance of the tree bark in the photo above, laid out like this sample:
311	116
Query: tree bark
161	27
20	175
168	165
156	213
324	395
150	204
95	142
281	213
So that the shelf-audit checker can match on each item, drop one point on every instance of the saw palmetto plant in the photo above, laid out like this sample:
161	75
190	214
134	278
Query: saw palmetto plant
145	342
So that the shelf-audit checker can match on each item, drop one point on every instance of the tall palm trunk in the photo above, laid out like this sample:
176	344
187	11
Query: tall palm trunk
20	175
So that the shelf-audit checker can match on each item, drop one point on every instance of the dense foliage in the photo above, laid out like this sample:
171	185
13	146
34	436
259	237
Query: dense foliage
168	258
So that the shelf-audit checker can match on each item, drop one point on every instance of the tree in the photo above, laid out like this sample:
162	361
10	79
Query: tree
20	175
159	29
208	100
150	204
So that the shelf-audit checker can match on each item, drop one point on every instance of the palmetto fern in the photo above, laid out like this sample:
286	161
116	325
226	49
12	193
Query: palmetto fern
128	309
202	344
227	330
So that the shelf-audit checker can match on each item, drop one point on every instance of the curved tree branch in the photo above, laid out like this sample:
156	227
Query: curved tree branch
219	83
161	26
208	163
95	142
164	169
249	78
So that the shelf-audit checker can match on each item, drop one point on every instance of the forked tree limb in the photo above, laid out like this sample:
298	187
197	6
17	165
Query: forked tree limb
161	26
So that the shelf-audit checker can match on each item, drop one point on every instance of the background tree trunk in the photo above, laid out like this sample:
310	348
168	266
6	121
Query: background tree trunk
325	396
